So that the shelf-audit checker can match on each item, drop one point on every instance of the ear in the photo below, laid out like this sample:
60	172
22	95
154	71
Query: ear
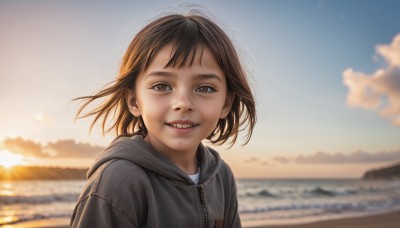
227	106
132	103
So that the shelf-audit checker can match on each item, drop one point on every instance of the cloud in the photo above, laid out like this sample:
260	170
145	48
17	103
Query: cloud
379	91
341	158
252	159
70	148
60	149
42	117
391	53
282	159
24	147
266	163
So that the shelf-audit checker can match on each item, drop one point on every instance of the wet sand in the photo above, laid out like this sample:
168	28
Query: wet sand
44	223
387	220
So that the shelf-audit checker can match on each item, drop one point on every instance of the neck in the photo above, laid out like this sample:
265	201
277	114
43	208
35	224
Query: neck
187	165
184	160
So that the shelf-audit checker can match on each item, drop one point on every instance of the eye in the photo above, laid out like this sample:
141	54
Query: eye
205	89
161	87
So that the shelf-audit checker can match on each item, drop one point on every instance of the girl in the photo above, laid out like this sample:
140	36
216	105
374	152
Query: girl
180	82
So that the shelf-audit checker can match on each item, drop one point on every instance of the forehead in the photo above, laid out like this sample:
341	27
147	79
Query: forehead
201	57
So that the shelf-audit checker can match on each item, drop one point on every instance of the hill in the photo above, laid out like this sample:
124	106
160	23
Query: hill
41	173
390	172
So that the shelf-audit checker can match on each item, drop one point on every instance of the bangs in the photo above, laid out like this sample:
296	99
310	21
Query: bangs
185	37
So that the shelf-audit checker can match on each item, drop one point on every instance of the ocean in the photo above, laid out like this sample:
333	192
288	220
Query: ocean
285	201
261	201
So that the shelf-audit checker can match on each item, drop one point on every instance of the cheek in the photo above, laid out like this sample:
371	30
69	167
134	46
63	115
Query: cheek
212	112
147	101
213	106
152	107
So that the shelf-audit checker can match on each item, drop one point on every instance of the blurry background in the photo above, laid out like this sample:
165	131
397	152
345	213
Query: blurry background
326	76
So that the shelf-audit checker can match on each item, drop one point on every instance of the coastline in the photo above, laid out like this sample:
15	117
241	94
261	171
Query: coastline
384	220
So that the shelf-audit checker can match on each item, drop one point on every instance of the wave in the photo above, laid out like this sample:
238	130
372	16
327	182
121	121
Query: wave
315	192
262	193
265	193
320	191
338	207
38	199
24	218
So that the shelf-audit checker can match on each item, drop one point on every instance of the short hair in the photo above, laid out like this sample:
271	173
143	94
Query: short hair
186	33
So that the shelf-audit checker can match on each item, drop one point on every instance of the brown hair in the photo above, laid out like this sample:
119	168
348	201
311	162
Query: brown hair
185	33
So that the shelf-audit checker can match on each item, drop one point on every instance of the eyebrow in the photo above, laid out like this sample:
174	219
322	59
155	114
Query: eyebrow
197	76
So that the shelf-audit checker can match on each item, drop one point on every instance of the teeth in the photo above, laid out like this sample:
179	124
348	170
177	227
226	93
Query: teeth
182	125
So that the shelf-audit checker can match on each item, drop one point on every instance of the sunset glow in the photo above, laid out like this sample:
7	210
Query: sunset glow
327	104
8	159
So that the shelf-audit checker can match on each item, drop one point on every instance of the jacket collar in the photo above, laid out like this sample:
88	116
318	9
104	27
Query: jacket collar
136	150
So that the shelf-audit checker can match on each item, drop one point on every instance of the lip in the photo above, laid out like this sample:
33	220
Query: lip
182	122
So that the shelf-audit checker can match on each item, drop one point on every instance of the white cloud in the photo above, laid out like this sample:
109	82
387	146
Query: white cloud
379	91
391	53
42	117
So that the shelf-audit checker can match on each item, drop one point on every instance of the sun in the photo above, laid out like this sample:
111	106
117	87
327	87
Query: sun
8	159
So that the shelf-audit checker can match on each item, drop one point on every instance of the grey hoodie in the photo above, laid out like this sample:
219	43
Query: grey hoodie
131	185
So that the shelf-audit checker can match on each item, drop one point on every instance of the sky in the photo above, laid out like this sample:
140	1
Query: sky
325	74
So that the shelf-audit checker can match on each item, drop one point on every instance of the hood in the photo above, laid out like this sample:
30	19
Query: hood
136	150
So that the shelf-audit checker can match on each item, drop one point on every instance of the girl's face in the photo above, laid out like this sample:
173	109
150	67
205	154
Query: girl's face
180	106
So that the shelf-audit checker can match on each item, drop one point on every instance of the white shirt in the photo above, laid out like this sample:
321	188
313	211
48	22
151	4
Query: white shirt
195	177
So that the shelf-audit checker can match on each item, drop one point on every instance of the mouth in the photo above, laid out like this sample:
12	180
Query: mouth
182	125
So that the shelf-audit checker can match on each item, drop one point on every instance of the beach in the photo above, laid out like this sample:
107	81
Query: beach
386	220
42	223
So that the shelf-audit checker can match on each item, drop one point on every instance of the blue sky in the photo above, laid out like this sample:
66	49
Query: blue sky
295	51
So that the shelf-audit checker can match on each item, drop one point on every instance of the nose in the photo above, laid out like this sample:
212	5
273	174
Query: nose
182	101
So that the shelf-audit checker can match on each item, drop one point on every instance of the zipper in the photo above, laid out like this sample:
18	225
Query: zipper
203	205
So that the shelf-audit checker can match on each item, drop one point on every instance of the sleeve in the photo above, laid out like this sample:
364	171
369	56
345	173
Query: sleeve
232	218
231	215
95	211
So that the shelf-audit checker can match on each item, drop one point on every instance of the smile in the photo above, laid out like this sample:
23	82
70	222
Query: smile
182	126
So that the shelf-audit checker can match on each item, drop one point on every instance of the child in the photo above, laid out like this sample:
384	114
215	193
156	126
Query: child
180	82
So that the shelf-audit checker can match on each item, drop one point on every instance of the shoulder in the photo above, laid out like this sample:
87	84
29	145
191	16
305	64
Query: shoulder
223	168
115	194
118	181
119	175
226	172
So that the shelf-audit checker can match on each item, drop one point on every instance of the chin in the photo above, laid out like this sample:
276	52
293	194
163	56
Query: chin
181	145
